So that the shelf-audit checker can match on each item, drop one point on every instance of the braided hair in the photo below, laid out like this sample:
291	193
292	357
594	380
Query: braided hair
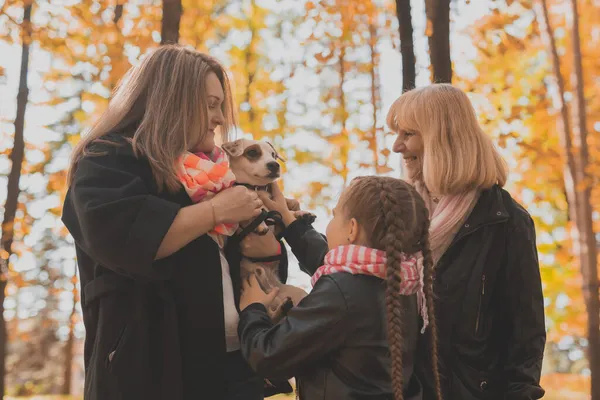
395	219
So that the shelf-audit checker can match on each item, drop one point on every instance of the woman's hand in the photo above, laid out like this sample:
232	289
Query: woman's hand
252	293
235	205
279	203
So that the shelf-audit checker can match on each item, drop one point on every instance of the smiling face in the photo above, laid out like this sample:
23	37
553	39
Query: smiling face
410	145
253	162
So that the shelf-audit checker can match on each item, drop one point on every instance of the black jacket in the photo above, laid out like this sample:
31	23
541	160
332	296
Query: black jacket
334	341
154	329
489	307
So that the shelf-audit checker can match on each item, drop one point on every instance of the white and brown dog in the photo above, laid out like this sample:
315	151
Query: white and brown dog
255	165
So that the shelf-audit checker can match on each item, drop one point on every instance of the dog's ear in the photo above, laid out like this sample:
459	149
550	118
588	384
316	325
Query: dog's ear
277	156
235	148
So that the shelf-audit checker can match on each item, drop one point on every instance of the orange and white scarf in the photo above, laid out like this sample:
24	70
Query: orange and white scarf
203	175
367	261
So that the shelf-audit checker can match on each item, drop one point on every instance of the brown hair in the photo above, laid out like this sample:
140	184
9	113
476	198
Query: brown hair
395	219
171	83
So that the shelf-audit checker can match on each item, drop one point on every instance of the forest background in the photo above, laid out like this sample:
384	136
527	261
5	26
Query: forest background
316	78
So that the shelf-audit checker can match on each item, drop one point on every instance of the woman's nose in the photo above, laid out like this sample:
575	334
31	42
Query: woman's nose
218	118
399	146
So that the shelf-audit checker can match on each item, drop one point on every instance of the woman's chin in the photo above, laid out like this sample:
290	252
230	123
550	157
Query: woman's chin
414	174
204	148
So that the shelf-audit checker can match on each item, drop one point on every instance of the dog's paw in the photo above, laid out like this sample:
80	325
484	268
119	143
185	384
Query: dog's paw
305	215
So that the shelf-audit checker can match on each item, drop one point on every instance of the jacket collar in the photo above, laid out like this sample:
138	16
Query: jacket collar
491	208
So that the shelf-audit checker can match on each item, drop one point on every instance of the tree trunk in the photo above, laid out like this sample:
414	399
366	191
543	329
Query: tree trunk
589	266
373	145
12	193
409	73
344	149
251	68
565	128
438	30
169	32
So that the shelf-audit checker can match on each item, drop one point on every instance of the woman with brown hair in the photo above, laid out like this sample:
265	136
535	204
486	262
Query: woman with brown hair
355	335
150	206
487	288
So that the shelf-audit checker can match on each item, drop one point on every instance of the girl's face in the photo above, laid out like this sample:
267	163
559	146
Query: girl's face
214	98
410	145
341	230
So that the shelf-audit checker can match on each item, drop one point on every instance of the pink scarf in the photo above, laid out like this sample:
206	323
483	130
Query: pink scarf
204	175
447	218
367	261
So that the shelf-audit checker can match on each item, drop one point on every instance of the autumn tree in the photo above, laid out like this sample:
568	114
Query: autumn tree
438	32
577	185
512	90
17	156
171	17
409	74
587	240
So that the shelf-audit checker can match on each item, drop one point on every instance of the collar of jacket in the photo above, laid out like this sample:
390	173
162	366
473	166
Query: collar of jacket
491	208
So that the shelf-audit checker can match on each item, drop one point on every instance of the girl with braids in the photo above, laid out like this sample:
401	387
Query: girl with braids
352	337
488	292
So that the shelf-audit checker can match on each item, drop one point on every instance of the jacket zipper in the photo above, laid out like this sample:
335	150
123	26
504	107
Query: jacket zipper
112	354
480	303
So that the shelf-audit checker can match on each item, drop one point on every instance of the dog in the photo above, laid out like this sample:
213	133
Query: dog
255	165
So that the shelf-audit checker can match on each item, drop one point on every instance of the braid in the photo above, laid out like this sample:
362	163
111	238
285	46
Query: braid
395	219
392	242
428	270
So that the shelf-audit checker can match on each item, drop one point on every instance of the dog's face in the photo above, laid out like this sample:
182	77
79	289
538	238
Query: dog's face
253	162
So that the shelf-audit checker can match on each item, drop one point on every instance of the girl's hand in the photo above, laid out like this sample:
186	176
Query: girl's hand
279	203
236	204
252	293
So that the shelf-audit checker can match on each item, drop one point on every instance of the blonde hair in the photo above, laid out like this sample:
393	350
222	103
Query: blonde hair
171	84
458	155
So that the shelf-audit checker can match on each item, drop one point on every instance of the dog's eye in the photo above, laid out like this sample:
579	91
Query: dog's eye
252	153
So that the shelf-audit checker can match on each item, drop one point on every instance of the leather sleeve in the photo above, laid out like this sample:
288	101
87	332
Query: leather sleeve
308	245
114	218
314	328
525	307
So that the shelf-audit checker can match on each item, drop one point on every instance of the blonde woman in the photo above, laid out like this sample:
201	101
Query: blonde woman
489	302
160	288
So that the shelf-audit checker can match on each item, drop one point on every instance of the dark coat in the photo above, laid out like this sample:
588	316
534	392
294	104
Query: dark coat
489	307
154	329
335	340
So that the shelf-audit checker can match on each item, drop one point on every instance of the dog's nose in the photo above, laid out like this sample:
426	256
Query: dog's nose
273	166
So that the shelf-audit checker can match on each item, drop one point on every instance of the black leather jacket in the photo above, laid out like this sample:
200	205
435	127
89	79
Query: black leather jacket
335	340
490	307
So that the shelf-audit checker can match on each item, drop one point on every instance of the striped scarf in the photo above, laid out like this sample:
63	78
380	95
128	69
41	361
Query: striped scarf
203	175
367	261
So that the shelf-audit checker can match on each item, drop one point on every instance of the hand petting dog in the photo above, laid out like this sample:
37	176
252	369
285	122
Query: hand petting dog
279	203
253	293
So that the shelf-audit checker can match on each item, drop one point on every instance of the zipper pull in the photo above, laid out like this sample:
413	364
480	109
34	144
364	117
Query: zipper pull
483	284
